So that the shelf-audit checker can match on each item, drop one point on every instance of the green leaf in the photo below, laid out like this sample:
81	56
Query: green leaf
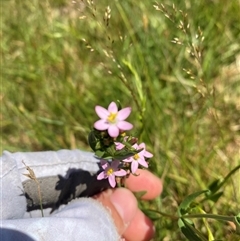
214	186
92	140
237	222
123	154
189	231
183	207
215	196
99	153
237	218
111	150
139	194
220	184
152	214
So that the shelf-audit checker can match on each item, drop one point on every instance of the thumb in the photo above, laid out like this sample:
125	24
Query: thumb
121	204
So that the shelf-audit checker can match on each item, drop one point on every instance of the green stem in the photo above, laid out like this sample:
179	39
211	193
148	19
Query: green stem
229	174
166	215
212	216
200	215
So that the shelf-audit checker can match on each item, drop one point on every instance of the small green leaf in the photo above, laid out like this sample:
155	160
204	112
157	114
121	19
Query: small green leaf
99	153
183	207
140	194
215	196
111	150
220	184
214	186
152	214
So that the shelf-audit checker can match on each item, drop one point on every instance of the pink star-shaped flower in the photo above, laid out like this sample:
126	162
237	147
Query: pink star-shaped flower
111	171
139	158
112	120
119	146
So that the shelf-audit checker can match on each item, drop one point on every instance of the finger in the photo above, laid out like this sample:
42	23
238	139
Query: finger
140	229
121	204
145	181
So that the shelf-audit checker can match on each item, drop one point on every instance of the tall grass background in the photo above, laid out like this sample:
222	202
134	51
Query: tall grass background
176	63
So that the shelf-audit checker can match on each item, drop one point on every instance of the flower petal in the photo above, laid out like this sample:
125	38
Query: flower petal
119	145
101	125
101	176
135	146
142	146
113	107
115	164
104	163
112	180
143	162
124	113
134	166
148	154
101	112
120	173
141	153
113	131
130	159
124	125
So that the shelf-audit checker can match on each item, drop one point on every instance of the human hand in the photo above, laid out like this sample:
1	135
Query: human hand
131	223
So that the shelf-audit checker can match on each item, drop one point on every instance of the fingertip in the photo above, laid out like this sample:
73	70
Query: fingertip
125	203
140	229
121	204
145	181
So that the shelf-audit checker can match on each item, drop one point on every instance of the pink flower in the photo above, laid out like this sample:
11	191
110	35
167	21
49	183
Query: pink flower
111	171
119	146
113	120
139	158
129	140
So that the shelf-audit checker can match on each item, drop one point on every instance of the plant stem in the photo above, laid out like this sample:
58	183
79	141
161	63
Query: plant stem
40	197
212	216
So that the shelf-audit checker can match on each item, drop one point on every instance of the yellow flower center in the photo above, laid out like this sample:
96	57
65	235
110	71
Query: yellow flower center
112	117
136	157
110	171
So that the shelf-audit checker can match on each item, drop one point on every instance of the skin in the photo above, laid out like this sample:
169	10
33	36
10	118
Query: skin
130	221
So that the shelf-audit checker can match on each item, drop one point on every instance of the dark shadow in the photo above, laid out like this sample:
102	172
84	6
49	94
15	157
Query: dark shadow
13	235
58	190
79	183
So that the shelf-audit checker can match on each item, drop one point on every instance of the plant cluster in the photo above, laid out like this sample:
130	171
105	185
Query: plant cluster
119	152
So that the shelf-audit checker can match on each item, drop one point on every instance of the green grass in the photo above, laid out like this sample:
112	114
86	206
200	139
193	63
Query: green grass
52	79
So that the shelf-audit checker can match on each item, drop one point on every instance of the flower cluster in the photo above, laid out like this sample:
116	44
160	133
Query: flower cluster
120	154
